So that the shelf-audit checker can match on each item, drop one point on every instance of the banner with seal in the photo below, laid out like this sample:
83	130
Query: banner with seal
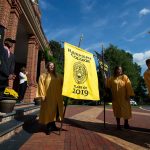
80	76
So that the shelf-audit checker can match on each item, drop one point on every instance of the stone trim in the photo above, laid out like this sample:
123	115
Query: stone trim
27	8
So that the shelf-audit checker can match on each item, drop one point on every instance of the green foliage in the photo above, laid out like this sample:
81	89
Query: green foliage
140	90
55	48
48	56
58	55
101	84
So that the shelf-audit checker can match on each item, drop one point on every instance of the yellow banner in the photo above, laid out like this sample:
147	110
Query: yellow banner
80	76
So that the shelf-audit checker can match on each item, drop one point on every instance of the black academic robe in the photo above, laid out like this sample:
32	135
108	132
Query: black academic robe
7	65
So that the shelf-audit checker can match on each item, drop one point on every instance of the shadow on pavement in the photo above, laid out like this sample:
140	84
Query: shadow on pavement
138	136
16	141
36	127
33	127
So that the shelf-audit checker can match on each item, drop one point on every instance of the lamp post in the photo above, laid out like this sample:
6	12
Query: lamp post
102	54
81	38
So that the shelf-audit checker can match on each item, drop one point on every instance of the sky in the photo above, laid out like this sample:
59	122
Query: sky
123	23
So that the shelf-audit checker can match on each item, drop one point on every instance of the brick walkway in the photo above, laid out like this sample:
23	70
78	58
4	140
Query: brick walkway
83	129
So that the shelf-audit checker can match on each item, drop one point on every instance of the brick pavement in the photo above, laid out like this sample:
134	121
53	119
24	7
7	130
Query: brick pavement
136	138
83	129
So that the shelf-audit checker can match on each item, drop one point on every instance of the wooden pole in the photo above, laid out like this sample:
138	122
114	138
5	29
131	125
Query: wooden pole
66	102
65	105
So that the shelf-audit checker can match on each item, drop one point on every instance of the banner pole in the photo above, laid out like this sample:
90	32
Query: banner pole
81	38
65	105
104	84
66	102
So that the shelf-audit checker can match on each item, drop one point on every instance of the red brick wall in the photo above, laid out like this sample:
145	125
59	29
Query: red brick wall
4	12
12	25
9	17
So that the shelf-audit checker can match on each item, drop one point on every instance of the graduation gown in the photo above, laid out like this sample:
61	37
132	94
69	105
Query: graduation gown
50	91
121	89
147	79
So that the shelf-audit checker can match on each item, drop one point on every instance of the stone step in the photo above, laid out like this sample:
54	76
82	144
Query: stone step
12	123
21	105
18	112
26	110
14	126
16	141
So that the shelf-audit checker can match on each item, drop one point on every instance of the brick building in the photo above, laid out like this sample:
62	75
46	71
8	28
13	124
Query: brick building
21	18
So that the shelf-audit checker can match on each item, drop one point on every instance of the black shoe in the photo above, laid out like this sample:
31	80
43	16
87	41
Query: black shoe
55	128
118	127
48	131
126	126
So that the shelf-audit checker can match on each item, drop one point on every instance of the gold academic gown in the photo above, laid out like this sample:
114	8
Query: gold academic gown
121	89
147	79
50	91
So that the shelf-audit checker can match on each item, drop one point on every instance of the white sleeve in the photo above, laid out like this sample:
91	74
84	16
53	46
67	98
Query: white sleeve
22	75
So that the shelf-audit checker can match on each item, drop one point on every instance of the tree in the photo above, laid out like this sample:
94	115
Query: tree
140	91
57	55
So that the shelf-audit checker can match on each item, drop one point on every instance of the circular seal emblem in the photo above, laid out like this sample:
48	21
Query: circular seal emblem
80	73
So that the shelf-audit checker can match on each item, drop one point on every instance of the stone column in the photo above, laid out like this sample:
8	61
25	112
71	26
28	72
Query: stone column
12	25
32	59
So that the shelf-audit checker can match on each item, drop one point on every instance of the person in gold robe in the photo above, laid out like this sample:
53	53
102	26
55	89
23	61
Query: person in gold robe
147	75
50	91
121	89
